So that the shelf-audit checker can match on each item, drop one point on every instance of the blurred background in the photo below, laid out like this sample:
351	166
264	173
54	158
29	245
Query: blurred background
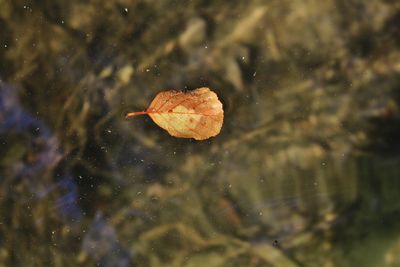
306	170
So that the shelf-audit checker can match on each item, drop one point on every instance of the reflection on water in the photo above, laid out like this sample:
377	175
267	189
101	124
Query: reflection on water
305	170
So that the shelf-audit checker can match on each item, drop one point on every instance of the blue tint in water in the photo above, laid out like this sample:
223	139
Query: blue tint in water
101	243
14	120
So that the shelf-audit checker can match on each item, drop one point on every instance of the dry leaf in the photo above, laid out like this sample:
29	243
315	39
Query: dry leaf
195	114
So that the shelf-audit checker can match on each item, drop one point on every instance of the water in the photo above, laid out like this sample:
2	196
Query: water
304	172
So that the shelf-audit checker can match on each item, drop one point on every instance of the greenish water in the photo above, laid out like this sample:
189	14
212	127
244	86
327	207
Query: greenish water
305	171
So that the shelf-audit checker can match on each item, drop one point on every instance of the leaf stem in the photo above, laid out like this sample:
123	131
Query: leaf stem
132	114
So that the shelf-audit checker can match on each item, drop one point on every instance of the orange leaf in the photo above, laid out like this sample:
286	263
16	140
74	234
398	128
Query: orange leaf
195	114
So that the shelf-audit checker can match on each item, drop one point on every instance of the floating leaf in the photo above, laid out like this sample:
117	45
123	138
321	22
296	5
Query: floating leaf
195	114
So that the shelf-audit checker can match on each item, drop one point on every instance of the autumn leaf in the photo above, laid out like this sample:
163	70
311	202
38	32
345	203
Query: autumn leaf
195	114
